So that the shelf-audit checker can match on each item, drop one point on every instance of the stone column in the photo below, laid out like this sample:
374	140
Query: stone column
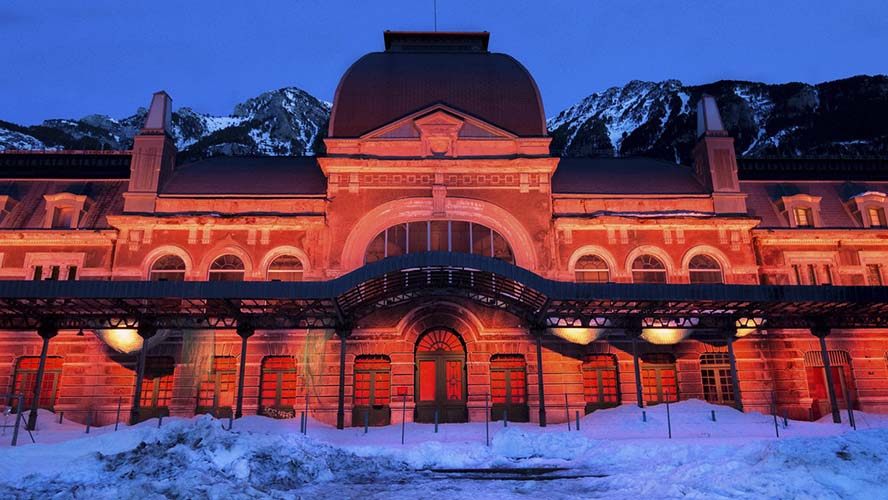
46	330
244	331
146	331
821	332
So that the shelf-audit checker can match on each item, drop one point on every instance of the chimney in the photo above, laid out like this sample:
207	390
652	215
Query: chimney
716	161
154	156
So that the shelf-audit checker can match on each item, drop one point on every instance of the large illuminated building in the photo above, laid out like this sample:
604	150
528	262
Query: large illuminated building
439	253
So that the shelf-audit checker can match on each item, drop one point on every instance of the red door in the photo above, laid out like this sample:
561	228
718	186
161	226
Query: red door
440	377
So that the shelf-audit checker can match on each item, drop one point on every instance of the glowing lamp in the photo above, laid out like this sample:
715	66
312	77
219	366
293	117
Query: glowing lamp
126	340
665	336
582	336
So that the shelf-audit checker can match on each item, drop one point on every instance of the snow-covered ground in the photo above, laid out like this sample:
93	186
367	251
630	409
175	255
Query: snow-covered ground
615	455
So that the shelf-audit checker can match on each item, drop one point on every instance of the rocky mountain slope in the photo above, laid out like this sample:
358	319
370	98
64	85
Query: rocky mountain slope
287	121
843	117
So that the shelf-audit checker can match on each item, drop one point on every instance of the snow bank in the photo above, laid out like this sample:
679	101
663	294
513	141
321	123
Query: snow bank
616	454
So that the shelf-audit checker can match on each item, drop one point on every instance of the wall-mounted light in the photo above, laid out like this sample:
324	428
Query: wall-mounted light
582	336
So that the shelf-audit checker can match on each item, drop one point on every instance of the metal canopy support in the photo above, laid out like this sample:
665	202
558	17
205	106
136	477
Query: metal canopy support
542	396
46	331
343	334
635	333
735	380
821	332
146	331
244	331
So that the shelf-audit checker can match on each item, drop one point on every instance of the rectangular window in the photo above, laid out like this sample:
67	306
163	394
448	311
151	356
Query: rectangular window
63	218
72	273
26	380
812	274
876	216
874	274
38	273
157	386
218	384
372	381
716	373
508	380
279	383
427	380
600	386
803	217
659	379
54	273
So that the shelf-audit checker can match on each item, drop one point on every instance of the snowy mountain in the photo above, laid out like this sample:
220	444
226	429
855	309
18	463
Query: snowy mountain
287	121
843	117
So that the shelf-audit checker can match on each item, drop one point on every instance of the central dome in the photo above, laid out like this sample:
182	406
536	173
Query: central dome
418	70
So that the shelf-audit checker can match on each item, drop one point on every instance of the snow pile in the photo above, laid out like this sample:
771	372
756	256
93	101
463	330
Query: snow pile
616	454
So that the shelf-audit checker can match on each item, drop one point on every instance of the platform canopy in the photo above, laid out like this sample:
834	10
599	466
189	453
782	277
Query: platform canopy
340	302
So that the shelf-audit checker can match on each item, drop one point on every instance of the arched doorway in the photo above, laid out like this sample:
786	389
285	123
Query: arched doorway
440	377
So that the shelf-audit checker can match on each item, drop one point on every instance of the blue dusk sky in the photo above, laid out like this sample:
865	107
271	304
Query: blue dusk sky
72	58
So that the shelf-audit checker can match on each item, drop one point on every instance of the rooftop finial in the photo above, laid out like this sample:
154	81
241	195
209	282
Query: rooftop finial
159	114
709	120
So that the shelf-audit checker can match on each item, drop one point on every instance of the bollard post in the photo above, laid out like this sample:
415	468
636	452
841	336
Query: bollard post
366	421
18	420
713	415
230	421
578	419
567	411
850	410
302	422
159	421
61	416
668	420
644	416
776	427
117	419
810	414
436	420
305	429
785	419
486	419
404	415
506	418
88	420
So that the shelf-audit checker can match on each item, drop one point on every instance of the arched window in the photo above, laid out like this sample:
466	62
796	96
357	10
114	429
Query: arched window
439	236
591	269
648	269
705	269
227	268
285	268
168	268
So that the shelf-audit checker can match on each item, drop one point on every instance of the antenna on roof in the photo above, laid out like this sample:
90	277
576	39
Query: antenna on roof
435	4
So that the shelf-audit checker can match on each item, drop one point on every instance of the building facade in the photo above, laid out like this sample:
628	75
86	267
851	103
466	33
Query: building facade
437	145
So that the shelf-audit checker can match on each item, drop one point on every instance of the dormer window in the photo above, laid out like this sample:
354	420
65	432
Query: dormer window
803	217
801	210
876	216
64	210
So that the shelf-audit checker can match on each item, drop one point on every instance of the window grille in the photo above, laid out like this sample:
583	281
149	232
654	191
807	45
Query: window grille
285	268
25	380
168	268
600	383
715	369
279	383
704	269
157	385
591	269
648	269
227	268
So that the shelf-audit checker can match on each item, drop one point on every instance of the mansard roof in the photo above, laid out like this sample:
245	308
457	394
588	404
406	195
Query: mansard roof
248	176
426	69
624	176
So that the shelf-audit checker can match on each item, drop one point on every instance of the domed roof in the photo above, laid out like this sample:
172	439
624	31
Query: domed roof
418	70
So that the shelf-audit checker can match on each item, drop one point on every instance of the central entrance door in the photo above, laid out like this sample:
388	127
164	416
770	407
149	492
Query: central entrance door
440	377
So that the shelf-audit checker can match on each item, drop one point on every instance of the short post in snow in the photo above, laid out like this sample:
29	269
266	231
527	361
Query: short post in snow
159	421
18	419
644	416
305	428
117	419
567	411
366	421
850	409
785	419
436	420
402	391
61	416
776	426
302	422
578	419
668	420
505	417
713	415
88	420
810	414
486	419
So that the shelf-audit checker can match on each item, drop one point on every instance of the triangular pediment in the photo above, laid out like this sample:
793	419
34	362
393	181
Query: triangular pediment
438	117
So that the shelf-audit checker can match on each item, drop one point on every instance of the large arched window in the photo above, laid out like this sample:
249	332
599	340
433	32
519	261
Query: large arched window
285	268
439	236
591	269
168	268
227	268
704	269
648	269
